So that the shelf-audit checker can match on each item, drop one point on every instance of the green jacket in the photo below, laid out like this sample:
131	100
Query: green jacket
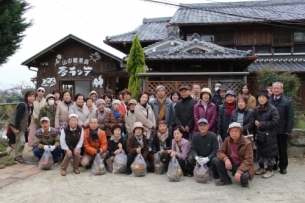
46	111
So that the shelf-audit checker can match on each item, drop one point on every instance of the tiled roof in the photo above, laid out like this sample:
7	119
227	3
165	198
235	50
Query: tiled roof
206	13
278	65
152	29
197	49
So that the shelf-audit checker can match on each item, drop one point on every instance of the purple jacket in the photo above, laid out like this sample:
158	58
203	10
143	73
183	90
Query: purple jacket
185	148
210	114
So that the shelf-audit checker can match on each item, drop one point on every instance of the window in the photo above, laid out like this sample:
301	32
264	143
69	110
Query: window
281	36
299	36
225	37
67	85
207	38
262	49
299	48
282	49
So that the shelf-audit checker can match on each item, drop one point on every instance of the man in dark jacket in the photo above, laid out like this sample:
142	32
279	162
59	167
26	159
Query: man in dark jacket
184	110
216	96
285	108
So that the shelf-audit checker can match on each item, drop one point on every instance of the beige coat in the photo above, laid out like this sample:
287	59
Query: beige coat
83	113
251	102
37	106
130	119
62	114
148	121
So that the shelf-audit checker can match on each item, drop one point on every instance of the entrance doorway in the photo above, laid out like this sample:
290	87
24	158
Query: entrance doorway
75	87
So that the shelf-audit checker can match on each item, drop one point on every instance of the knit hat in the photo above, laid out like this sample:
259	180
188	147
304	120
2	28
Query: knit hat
50	96
41	88
206	90
263	92
73	115
93	92
234	125
138	125
100	101
132	101
116	101
160	86
230	92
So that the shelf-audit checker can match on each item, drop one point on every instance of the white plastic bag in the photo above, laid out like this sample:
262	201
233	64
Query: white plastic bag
98	167
46	161
201	173
138	166
174	171
119	163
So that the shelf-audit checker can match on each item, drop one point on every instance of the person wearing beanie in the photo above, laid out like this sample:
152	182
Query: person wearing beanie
114	116
224	113
130	117
100	113
94	96
205	109
38	104
49	110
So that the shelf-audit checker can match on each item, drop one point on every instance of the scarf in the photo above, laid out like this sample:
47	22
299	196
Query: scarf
93	134
116	113
140	141
115	139
230	107
162	138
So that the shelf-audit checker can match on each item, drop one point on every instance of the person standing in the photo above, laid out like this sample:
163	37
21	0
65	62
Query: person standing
100	113
251	99
38	104
163	108
19	122
62	110
80	110
49	110
196	92
130	117
184	112
285	108
94	96
216	96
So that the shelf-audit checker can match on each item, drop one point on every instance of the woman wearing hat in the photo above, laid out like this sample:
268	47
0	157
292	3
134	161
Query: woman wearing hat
224	113
100	113
205	109
114	116
235	155
266	120
137	144
38	104
49	110
130	117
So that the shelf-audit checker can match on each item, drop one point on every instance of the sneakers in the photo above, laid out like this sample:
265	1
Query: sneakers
260	171
223	182
19	160
56	163
268	174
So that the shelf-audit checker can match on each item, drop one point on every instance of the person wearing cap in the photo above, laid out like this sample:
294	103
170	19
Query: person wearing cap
266	121
71	141
184	112
81	110
62	110
47	139
90	105
163	108
94	96
224	114
285	107
216	95
114	116
251	101
38	104
137	144
203	148
221	92
196	92
205	109
130	117
100	113
236	155
49	110
95	142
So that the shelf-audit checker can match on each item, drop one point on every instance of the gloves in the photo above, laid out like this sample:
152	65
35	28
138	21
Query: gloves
46	148
51	148
196	158
205	160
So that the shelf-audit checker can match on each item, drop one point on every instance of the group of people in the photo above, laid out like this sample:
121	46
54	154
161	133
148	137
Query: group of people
191	125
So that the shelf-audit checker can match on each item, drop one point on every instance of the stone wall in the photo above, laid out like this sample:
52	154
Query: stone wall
296	143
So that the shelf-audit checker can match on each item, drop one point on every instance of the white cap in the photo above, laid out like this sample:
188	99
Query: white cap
234	125
44	119
73	115
41	88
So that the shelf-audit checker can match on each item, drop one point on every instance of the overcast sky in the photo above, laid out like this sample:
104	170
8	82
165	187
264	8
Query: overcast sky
91	20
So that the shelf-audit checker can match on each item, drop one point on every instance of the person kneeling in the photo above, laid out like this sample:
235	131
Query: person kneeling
95	142
47	139
235	155
116	144
71	140
137	144
203	148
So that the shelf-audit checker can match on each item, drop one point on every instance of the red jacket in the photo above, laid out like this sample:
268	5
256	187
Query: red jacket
91	146
210	114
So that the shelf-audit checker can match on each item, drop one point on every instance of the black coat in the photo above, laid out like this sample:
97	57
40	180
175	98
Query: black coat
223	121
113	146
156	144
268	118
248	120
184	115
285	108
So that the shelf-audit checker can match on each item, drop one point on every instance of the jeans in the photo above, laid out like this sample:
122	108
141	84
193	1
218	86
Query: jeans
223	173
55	153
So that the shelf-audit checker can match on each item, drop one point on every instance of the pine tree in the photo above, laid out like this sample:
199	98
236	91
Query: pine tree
12	26
135	65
